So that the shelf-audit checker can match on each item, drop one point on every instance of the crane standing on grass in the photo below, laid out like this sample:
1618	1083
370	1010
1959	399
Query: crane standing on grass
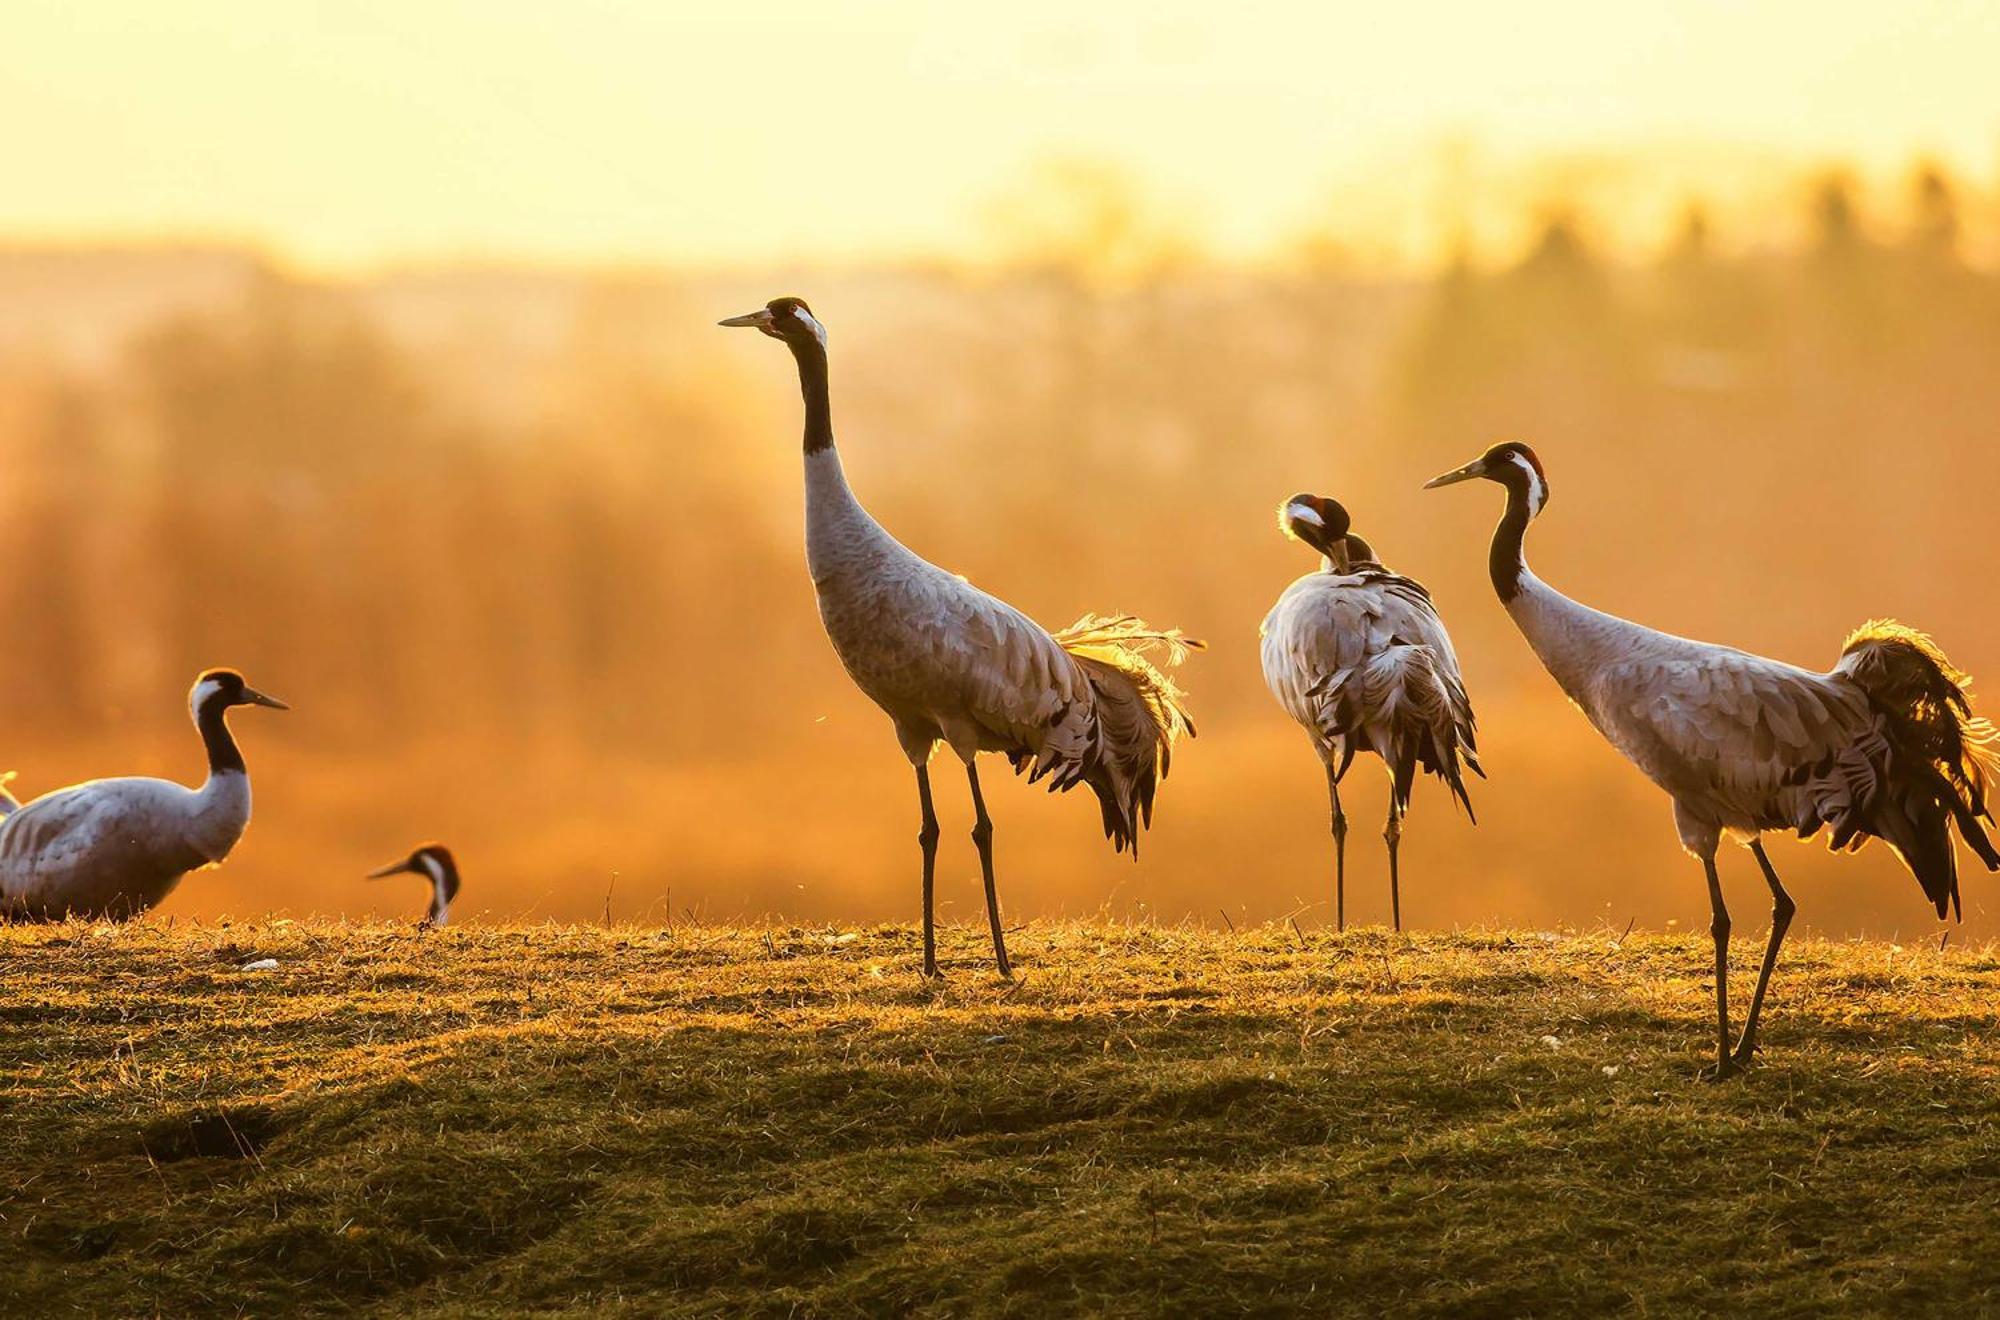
1358	656
949	663
1884	746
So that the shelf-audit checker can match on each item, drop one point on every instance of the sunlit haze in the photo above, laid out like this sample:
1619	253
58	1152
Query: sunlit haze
357	133
371	349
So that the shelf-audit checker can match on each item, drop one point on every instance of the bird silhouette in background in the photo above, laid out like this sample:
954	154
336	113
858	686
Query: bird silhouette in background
949	663
1884	746
434	862
1358	656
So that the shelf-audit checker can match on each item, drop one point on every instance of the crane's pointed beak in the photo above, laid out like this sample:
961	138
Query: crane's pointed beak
393	868
1452	478
757	320
256	698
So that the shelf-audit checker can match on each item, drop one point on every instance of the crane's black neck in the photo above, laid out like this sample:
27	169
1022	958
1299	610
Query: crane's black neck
1313	538
1505	559
223	756
811	355
444	884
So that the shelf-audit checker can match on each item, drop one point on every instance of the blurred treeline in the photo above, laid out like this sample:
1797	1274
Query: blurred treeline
522	547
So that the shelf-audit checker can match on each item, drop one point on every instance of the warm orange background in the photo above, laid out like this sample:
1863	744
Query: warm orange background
373	353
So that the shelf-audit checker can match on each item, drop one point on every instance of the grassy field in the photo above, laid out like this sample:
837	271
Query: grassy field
700	1120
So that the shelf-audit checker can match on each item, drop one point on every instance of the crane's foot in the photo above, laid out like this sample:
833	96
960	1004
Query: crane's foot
1720	1071
1745	1054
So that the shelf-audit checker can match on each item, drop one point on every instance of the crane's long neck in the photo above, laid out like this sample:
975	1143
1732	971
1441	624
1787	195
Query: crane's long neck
811	356
443	884
223	756
839	533
1572	640
222	807
1506	558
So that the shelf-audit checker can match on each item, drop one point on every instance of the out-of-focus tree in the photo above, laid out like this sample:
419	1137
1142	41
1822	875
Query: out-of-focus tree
1845	277
1088	223
1837	233
1934	227
55	629
1545	346
1712	310
279	435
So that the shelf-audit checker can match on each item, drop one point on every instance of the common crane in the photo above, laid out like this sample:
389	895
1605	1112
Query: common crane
112	848
1358	656
949	663
1883	746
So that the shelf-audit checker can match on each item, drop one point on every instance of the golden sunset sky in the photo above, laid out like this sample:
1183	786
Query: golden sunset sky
352	132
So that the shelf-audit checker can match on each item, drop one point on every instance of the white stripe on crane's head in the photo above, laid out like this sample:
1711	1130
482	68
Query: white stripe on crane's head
1505	463
1313	519
206	688
819	331
1538	486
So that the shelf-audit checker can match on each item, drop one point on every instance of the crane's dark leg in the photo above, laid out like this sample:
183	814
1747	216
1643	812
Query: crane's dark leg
1719	928
1339	851
1782	909
1393	835
927	837
982	835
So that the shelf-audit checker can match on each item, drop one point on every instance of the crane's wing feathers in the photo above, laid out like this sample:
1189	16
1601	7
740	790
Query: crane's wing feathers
1885	746
1118	735
1364	662
75	819
1740	719
1018	675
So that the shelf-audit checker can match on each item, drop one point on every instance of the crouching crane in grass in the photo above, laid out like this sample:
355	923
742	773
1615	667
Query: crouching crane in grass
1884	746
434	862
112	848
949	663
1358	656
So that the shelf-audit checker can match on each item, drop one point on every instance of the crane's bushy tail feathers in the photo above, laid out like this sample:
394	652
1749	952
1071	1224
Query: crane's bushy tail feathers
1930	758
1411	710
1137	714
9	804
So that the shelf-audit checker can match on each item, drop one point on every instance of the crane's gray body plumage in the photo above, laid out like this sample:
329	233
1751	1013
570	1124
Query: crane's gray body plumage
950	663
116	847
1719	729
1744	744
943	659
1363	663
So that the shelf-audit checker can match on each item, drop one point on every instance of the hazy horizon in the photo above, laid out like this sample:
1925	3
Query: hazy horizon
361	136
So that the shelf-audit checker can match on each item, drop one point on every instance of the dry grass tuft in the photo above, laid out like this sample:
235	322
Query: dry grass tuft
701	1120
